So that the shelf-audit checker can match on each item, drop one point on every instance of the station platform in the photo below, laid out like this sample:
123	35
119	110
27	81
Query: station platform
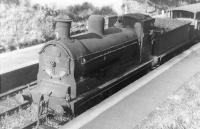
13	60
18	67
128	107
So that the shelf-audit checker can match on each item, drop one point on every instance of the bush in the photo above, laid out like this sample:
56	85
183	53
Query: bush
22	25
82	12
106	10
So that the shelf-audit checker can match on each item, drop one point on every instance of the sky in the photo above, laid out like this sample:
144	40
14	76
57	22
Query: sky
116	4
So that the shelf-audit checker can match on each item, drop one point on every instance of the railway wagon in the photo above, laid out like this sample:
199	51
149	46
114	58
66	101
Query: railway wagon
73	70
188	13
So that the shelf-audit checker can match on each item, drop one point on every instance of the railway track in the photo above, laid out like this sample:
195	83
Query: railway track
10	101
12	107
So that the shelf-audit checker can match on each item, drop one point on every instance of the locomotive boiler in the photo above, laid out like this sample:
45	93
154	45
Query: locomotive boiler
73	68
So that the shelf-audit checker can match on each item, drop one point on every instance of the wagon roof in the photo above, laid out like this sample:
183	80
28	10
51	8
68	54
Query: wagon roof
191	8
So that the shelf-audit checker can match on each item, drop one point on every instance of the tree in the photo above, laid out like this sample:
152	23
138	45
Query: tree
10	2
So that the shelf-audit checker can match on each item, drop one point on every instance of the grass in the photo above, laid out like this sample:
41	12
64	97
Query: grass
179	111
22	26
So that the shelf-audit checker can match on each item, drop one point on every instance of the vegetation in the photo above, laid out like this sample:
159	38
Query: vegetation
19	119
179	111
22	24
82	12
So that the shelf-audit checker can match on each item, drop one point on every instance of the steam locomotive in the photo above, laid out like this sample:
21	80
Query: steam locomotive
74	69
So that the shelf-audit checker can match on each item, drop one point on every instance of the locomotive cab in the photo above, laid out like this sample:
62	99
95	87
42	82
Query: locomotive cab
142	25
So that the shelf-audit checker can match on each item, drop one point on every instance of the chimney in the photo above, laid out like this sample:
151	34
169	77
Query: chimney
96	24
63	25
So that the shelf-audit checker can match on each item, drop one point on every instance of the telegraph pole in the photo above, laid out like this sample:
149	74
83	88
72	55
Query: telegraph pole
146	4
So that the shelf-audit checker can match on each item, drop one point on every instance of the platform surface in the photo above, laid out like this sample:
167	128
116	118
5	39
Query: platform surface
19	58
127	113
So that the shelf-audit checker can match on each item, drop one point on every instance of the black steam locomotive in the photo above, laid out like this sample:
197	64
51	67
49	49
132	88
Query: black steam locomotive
75	69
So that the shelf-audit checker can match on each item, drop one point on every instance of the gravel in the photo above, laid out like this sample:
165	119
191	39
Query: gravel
25	116
10	102
19	119
179	111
